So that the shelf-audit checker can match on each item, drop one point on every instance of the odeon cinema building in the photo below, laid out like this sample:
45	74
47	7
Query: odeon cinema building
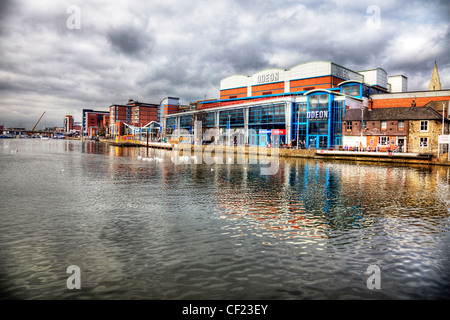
306	103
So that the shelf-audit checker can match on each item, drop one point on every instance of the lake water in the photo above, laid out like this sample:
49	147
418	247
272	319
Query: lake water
159	230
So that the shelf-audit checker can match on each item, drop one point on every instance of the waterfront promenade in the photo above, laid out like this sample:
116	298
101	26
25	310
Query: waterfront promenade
372	156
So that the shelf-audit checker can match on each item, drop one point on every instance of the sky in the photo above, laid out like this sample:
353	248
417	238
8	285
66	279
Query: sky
63	56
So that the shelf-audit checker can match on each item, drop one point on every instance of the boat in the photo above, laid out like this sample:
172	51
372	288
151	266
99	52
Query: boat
45	137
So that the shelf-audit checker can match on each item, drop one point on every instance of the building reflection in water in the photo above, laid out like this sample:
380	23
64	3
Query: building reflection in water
308	199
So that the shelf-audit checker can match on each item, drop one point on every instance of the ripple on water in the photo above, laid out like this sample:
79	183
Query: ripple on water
142	230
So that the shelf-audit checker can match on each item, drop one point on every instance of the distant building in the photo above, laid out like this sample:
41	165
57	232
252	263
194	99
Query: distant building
93	122
134	113
68	123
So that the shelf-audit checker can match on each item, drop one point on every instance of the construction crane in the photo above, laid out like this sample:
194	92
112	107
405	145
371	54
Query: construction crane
38	121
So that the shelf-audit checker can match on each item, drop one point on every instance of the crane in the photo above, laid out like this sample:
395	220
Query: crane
38	121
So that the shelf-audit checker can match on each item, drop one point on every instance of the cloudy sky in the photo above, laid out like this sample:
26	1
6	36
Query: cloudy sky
62	56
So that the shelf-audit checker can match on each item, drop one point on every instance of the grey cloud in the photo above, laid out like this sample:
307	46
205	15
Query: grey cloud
130	41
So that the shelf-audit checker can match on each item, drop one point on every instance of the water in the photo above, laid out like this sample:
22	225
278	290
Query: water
157	230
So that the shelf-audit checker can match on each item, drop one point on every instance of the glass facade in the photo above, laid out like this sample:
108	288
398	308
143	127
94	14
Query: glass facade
319	121
235	117
267	124
299	121
316	122
269	114
338	112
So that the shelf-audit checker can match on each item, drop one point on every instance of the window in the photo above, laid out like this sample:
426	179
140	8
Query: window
349	125
423	143
383	141
352	90
401	125
424	126
383	125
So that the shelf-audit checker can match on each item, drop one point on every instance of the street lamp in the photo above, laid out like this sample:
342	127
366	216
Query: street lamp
298	121
229	131
443	116
362	124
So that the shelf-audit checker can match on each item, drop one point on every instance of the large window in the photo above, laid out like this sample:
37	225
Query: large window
274	113
186	122
299	111
352	90
208	119
318	128
383	125
234	117
337	114
299	118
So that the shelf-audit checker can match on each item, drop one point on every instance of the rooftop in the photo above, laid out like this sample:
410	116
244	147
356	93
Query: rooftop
381	114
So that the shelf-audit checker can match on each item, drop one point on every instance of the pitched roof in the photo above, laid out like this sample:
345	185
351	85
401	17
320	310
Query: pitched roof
381	114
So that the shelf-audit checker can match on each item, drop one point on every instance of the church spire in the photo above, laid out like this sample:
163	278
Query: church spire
435	83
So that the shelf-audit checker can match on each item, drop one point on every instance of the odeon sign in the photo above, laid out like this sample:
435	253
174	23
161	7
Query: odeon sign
317	114
269	77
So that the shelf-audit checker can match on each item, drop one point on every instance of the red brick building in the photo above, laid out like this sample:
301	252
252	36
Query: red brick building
135	113
407	129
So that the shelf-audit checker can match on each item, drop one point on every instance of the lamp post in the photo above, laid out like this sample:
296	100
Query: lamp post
229	131
443	117
362	123
298	121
